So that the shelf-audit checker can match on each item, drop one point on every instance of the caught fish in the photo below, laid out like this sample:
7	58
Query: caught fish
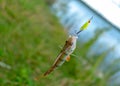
65	53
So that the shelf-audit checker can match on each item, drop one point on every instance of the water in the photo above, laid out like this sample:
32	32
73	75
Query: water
72	14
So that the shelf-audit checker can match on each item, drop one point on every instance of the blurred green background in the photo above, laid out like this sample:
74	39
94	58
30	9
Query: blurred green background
30	37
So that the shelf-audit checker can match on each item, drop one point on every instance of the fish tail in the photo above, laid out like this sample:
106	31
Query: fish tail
49	71
39	77
44	75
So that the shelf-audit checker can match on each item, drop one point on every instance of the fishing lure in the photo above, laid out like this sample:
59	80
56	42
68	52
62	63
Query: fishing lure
67	50
85	25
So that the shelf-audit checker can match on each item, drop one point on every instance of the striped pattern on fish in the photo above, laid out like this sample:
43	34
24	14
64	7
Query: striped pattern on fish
67	50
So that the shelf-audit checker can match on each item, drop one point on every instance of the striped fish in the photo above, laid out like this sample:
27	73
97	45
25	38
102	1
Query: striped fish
65	53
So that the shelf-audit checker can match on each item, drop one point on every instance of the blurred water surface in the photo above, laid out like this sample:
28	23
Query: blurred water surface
72	14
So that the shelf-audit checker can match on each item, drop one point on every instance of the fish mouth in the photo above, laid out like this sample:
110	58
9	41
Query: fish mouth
75	37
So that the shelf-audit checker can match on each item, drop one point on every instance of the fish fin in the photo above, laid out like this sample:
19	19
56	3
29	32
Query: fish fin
68	58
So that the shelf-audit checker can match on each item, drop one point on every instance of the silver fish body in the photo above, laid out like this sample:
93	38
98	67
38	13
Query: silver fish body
67	50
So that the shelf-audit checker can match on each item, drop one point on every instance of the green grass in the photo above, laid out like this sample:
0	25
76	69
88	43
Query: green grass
30	36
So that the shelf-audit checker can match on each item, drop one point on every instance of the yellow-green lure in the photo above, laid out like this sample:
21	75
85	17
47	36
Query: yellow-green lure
85	25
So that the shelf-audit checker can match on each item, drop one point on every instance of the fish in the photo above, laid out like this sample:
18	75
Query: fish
64	54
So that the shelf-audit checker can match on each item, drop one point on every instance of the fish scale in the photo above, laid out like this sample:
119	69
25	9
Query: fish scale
68	48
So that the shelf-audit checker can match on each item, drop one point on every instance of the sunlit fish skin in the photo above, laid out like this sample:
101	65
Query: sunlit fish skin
67	50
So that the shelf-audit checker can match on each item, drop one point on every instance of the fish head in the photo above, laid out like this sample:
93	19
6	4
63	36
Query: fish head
72	39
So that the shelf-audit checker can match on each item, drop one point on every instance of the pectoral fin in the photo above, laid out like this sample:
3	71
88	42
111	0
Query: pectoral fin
68	58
